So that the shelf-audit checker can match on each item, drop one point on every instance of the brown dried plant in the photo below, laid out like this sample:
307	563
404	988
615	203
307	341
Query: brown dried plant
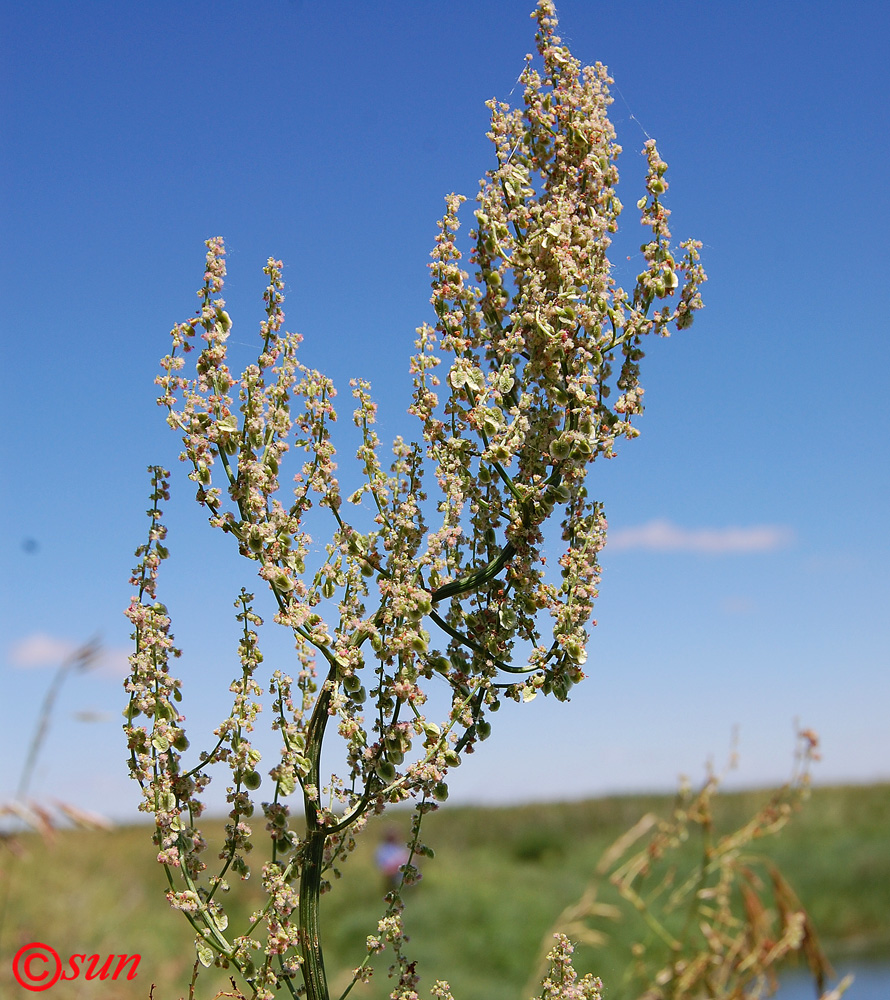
711	917
23	814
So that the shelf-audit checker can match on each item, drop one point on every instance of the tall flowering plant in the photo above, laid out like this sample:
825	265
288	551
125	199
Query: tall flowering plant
530	373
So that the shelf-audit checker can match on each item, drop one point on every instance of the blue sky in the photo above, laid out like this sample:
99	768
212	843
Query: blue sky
746	583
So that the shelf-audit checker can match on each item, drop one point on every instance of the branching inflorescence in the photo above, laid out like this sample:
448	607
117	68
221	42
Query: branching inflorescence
529	374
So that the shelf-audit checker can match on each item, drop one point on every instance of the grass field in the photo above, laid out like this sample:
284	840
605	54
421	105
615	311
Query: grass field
488	900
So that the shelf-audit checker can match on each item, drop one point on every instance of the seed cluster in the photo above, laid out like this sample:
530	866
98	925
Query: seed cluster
436	572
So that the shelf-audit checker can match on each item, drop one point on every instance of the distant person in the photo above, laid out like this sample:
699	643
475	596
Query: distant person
390	856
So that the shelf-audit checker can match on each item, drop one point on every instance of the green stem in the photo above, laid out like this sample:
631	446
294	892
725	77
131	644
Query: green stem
310	885
312	856
478	578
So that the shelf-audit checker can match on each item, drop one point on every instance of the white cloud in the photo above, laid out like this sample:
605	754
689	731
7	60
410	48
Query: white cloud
114	661
41	650
738	605
662	536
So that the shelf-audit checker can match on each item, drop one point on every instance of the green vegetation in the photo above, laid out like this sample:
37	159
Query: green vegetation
499	881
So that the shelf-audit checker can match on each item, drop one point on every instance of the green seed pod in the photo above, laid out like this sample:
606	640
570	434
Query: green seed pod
385	771
351	683
528	603
252	780
576	651
484	474
483	729
582	449
490	426
255	540
181	742
508	618
505	379
358	696
395	757
328	588
356	545
452	759
440	791
560	448
422	608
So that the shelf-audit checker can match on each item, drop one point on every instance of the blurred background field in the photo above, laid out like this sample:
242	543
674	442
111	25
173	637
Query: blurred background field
480	917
